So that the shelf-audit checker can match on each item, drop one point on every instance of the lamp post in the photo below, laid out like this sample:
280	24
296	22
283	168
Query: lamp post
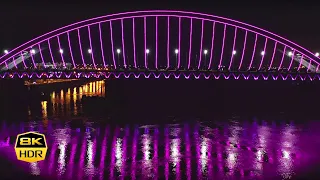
205	52
118	52
176	51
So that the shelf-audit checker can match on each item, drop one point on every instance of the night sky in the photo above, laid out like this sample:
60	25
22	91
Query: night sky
22	21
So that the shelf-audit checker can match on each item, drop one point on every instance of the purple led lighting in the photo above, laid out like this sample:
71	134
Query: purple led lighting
101	46
243	49
71	54
234	43
22	57
14	62
283	54
212	44
254	50
55	32
264	50
168	43
123	49
273	54
190	43
300	62
201	41
309	66
112	47
157	42
145	42
134	44
179	43
92	52
32	58
40	51
81	53
64	64
292	57
222	48
50	51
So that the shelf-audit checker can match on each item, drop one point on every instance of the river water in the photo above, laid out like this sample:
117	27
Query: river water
192	149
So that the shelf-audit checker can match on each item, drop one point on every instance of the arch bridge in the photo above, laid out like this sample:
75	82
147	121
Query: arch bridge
160	44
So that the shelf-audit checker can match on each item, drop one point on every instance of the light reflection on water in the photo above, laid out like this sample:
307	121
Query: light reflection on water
185	151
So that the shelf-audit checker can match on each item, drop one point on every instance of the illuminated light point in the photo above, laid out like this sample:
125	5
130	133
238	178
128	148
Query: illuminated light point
263	53
33	51
6	51
290	53
147	51
89	51
234	52
118	51
205	51
176	51
61	51
317	54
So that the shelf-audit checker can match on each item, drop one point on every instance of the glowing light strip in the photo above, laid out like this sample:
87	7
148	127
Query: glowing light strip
234	43
123	49
157	42
201	41
128	13
134	43
264	51
64	64
145	42
168	43
273	54
32	58
114	60
90	43
14	62
81	53
300	62
254	50
293	53
243	50
309	66
24	63
40	51
284	52
212	44
71	54
179	54
224	36
101	46
190	43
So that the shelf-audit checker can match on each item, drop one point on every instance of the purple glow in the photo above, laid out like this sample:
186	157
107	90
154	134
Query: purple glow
134	44
292	57
64	64
49	45
190	43
201	41
14	62
264	50
283	54
112	47
145	41
90	43
24	63
101	46
243	50
222	48
300	62
233	46
212	44
123	53
79	39
254	50
40	51
168	43
179	42
309	66
32	58
71	54
157	42
273	54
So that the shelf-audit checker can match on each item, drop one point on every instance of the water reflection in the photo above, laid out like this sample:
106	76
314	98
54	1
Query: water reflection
182	151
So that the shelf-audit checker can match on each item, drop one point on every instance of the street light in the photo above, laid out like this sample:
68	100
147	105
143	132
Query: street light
118	51
61	51
263	53
147	51
33	51
290	53
6	51
89	51
317	54
205	51
234	52
176	51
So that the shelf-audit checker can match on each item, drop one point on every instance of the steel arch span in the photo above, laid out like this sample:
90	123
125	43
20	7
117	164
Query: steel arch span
160	42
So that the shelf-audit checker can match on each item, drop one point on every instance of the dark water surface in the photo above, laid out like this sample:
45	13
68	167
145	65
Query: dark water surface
171	130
